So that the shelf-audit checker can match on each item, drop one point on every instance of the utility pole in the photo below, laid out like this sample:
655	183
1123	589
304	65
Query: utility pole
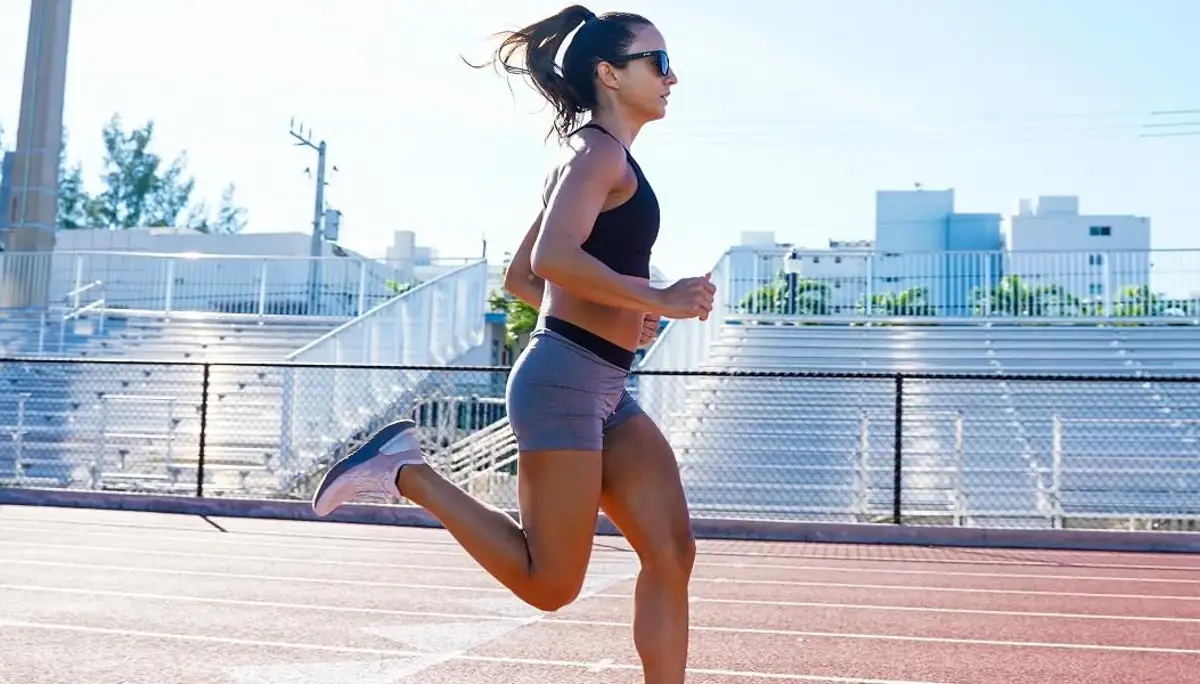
304	139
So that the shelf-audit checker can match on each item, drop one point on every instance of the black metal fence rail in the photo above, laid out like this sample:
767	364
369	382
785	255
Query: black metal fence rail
905	448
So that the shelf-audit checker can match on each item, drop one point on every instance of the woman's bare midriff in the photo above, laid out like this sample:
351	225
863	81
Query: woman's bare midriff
620	326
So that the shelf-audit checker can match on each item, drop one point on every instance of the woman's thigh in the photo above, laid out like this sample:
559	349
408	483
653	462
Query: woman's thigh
558	396
642	493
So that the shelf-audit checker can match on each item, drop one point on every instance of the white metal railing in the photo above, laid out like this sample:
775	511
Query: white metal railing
840	286
927	469
852	285
76	311
480	462
857	285
105	432
449	417
1122	498
432	324
228	283
943	473
18	434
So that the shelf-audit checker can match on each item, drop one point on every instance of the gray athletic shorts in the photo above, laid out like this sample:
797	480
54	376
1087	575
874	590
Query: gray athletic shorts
561	395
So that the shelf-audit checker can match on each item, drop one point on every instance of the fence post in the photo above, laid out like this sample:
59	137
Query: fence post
898	452
960	467
1056	466
864	466
203	430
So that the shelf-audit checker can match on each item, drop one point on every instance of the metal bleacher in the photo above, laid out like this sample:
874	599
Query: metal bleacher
1119	449
113	399
137	425
975	451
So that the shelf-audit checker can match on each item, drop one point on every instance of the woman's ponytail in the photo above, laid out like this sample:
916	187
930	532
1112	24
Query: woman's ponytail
533	52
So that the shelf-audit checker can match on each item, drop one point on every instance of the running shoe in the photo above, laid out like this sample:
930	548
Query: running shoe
370	469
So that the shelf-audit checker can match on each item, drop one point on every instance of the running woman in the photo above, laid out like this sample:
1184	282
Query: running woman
584	443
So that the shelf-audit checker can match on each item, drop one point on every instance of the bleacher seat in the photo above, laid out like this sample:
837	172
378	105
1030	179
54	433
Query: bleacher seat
137	426
819	448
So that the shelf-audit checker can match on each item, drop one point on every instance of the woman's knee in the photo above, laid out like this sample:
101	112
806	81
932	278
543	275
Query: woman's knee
549	594
673	559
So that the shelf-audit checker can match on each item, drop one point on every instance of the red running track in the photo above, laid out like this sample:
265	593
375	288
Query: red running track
112	597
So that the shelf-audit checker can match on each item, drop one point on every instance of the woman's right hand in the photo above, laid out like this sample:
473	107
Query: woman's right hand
687	298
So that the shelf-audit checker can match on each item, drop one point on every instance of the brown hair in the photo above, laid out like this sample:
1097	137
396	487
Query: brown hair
571	90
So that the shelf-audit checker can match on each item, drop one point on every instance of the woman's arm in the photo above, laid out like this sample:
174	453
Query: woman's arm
557	251
519	279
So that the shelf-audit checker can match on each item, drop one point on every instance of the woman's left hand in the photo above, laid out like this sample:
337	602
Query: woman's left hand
649	330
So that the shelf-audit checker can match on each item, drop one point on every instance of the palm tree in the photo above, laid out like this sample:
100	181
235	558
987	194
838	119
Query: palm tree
1137	300
910	302
1013	297
789	294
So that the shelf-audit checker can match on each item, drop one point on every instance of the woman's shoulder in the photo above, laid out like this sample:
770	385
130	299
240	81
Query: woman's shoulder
592	155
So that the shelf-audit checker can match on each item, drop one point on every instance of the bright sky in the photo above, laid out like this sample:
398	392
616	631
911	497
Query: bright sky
789	115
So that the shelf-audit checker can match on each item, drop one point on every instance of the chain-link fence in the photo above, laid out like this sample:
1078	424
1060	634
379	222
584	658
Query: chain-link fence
969	450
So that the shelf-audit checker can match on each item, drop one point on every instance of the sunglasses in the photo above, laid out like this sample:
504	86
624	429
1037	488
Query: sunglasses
661	61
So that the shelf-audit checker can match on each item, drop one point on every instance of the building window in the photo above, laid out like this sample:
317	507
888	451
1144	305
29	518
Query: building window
816	260
1095	260
1100	231
1095	289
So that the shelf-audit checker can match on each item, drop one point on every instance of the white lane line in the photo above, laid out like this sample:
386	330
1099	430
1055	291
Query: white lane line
344	532
26	588
419	547
127	550
460	636
396	653
497	589
762	631
404	547
711	547
599	666
904	637
927	609
502	590
285	605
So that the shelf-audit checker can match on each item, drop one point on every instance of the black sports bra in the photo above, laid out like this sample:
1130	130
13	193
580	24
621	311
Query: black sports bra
623	237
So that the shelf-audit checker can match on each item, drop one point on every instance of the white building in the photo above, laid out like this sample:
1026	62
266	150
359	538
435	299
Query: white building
757	261
182	269
844	268
1093	257
410	259
924	244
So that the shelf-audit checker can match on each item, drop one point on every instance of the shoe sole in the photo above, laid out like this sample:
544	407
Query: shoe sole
359	456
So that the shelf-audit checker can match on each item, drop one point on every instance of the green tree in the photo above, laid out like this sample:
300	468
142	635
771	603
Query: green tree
139	189
1137	301
520	318
76	210
230	219
789	295
1014	297
913	301
397	287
